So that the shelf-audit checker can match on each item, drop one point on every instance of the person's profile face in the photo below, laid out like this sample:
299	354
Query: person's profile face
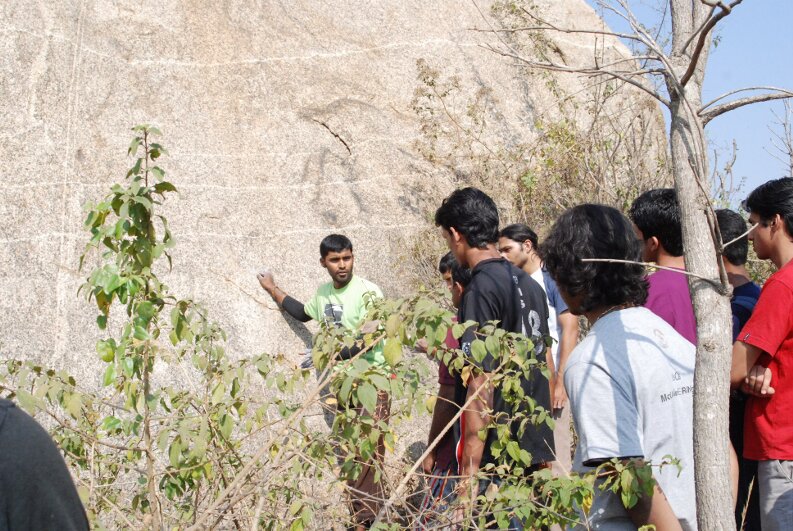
457	294
447	279
339	266
513	251
454	241
648	247
760	236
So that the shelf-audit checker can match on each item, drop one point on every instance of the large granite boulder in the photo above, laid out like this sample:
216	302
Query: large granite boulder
285	121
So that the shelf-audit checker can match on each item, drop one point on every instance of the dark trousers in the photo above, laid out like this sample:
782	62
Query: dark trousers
747	509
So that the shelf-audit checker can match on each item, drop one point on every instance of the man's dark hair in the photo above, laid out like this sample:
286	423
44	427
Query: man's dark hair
657	213
445	265
334	243
519	232
472	213
732	225
771	198
595	231
461	275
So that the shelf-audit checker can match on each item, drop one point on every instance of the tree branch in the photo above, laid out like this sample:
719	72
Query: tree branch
707	116
623	76
715	283
703	36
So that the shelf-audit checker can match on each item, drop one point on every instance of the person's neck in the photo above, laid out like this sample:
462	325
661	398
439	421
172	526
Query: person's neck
337	285
782	254
474	255
532	264
598	313
737	275
664	259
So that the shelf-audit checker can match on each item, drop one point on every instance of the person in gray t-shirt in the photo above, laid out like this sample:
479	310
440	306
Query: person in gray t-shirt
630	381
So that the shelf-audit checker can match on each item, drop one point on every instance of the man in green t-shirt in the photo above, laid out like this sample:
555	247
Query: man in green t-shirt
344	302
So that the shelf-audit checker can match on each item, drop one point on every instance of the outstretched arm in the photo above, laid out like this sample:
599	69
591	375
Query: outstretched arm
290	305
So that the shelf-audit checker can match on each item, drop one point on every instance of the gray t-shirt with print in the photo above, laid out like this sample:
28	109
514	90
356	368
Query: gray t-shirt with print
630	383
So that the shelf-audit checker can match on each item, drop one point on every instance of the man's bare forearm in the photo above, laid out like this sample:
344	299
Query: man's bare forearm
477	417
654	510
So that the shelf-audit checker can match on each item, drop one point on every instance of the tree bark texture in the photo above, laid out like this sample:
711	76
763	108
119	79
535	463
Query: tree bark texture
710	298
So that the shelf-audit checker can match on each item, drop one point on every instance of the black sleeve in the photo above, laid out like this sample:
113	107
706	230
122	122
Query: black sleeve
295	308
481	306
38	490
350	352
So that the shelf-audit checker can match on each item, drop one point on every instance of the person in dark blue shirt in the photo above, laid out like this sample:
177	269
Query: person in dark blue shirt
744	297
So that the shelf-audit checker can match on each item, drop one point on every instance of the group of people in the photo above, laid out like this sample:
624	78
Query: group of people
628	383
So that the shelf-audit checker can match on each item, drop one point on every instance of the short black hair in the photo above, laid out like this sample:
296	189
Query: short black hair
519	232
772	198
445	265
334	243
732	225
472	213
461	275
595	231
657	213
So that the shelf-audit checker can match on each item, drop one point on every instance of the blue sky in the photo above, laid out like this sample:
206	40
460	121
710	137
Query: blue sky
755	47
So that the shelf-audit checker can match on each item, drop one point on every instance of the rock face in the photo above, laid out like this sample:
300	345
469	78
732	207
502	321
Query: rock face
285	121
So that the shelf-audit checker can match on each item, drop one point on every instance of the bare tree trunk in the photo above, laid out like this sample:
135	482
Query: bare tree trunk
701	241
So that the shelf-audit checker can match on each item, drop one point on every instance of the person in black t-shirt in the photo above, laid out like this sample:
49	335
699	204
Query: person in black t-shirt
36	490
500	292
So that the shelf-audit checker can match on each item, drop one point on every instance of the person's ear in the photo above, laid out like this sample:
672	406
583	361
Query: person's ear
456	236
527	247
322	262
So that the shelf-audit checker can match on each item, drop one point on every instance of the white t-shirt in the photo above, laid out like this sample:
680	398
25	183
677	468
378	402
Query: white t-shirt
630	383
555	306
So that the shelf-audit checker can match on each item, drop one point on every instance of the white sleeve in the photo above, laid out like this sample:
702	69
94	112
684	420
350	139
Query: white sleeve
604	412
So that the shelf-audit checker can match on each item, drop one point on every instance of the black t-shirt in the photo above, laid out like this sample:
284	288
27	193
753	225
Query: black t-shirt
36	490
501	292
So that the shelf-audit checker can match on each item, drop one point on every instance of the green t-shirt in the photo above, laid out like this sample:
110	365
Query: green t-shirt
346	307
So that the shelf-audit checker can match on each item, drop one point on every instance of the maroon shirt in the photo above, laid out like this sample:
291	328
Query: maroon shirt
669	299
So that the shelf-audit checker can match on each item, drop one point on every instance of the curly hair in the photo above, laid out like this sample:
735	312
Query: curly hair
472	213
657	213
595	231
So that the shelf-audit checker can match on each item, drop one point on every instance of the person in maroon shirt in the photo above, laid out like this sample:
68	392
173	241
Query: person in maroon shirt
763	355
440	465
656	220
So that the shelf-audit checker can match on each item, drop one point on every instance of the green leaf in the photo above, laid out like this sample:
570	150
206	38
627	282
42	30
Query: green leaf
164	186
74	405
392	352
513	449
175	452
367	396
133	146
141	333
492	345
346	387
478	350
146	310
226	425
380	382
101	321
392	325
110	375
